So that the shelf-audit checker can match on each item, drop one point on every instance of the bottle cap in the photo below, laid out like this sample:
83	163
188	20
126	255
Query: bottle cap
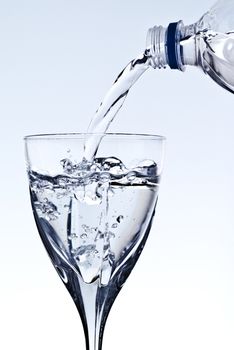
174	35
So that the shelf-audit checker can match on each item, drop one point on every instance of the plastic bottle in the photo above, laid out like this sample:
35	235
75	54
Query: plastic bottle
208	43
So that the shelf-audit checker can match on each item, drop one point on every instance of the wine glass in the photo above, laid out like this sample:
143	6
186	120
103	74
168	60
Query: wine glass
94	216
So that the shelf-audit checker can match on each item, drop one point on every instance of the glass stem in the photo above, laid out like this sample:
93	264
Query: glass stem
92	326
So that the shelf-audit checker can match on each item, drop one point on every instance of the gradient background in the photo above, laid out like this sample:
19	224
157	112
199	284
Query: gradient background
57	60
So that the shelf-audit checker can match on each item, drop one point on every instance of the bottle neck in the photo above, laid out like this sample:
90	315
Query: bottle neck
156	39
165	46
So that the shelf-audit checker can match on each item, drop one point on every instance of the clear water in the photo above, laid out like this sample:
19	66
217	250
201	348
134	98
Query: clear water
114	100
94	220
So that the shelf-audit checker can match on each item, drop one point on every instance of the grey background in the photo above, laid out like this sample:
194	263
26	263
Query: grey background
57	60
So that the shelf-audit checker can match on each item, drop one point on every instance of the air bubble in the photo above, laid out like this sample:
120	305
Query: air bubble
119	218
72	236
86	254
104	177
47	209
86	228
67	165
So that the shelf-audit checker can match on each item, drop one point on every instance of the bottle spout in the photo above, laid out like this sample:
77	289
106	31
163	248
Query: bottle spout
155	47
163	45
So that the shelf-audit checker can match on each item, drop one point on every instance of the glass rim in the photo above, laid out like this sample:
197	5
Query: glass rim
77	135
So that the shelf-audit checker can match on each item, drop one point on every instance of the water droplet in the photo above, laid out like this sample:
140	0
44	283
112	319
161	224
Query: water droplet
131	176
119	218
86	254
94	230
86	228
47	209
72	236
111	164
67	165
114	225
111	234
100	235
95	168
147	167
104	177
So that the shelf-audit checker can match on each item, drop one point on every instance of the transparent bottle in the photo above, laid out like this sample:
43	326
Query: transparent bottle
208	43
